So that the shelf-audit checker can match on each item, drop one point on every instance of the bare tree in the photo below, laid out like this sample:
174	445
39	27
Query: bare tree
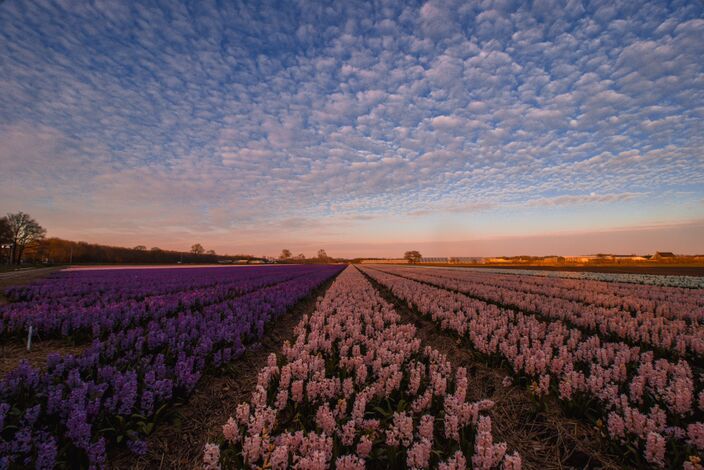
24	230
285	254
299	256
197	249
413	257
5	238
140	248
5	235
322	255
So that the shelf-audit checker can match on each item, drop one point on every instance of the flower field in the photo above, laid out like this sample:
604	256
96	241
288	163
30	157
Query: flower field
151	335
357	386
630	355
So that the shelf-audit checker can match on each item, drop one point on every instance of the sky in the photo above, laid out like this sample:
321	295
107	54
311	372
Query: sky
366	128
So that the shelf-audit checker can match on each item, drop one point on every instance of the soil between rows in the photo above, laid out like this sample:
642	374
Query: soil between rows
544	436
179	443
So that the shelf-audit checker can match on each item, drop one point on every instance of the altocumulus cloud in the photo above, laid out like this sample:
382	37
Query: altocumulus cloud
207	116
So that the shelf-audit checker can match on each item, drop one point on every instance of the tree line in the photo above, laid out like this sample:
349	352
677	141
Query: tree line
287	257
23	240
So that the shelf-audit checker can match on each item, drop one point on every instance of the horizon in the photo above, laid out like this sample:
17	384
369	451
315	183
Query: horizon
453	128
677	237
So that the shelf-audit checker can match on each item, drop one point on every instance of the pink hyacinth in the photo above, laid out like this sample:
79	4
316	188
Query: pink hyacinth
252	448
242	413
695	433
297	391
425	428
655	449
348	433
401	432
211	457
231	431
419	454
279	458
616	425
349	462
364	447
325	419
486	453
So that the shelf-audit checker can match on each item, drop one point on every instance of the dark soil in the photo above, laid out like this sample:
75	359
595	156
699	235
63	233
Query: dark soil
179	444
543	435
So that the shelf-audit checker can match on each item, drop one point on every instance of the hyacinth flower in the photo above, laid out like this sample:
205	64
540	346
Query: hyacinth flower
355	387
122	383
646	398
672	324
90	305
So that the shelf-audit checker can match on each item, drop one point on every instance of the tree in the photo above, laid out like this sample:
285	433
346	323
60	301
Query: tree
197	249
156	248
24	230
210	252
300	256
5	237
322	254
140	248
413	257
285	254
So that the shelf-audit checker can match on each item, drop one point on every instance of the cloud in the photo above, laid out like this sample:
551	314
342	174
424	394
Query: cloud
566	200
231	120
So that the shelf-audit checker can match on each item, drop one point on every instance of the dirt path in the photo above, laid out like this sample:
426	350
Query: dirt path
544	436
179	444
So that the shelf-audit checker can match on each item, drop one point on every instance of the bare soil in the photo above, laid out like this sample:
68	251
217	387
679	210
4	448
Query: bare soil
179	444
544	436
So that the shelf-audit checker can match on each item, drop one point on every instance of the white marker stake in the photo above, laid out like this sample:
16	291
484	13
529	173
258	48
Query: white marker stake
29	339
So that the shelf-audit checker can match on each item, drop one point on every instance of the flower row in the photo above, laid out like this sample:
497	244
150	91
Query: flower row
120	386
356	388
98	313
640	396
670	302
644	328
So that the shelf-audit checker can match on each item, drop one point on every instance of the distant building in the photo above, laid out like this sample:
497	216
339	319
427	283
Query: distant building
663	254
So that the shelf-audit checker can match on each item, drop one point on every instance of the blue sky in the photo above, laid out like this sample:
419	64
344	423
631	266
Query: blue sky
362	127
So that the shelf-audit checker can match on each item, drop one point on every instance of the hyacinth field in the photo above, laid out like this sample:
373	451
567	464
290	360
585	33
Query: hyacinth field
149	334
360	383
